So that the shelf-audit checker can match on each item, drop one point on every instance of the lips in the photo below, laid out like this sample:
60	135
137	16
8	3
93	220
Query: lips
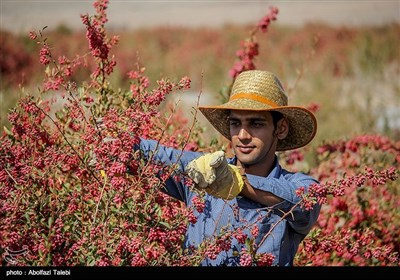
245	149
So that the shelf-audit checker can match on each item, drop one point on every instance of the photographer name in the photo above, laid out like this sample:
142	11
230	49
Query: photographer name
39	272
49	272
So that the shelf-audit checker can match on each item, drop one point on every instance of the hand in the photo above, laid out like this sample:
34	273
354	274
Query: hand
212	173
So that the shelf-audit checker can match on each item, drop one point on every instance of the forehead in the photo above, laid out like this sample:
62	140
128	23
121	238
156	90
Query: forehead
243	114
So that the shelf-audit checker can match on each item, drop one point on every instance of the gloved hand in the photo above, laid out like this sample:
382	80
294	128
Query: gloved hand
212	173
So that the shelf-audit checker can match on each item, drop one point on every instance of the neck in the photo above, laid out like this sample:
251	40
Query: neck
260	169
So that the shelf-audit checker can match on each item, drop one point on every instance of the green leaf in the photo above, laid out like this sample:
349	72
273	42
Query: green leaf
50	222
168	226
91	262
28	219
7	131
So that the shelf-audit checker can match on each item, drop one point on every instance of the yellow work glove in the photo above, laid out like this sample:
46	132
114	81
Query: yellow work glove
212	173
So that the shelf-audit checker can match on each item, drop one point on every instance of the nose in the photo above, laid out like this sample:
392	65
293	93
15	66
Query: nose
244	134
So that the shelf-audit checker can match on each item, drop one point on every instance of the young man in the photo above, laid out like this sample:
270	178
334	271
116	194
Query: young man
247	195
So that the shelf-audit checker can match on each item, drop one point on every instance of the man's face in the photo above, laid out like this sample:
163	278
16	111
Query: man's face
252	136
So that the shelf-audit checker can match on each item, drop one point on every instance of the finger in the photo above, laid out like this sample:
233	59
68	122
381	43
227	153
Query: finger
210	175
199	180
220	165
217	158
197	177
192	172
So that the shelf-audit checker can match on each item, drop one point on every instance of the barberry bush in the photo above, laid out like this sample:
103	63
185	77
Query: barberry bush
359	220
74	192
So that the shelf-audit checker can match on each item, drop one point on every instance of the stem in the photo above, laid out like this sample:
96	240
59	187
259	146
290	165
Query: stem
98	202
69	144
275	225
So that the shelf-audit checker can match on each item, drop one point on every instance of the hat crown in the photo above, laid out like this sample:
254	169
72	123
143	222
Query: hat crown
259	85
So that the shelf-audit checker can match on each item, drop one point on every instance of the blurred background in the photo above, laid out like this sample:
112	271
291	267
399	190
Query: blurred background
342	55
24	15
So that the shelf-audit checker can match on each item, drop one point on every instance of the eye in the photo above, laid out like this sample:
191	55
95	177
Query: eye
257	124
234	123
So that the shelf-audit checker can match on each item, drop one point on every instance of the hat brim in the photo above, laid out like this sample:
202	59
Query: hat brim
302	122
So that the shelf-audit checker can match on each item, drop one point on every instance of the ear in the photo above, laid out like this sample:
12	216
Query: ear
282	129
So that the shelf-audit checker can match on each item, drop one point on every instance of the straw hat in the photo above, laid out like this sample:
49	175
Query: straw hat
262	91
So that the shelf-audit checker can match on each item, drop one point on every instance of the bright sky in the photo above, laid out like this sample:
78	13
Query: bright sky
25	15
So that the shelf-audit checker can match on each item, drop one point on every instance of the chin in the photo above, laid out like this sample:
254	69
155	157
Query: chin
246	160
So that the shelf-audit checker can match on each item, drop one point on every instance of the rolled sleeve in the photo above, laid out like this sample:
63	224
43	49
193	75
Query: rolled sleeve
282	187
285	187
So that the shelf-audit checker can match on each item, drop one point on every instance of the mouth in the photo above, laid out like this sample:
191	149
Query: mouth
245	149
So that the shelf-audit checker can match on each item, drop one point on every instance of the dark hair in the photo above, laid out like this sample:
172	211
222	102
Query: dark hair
276	116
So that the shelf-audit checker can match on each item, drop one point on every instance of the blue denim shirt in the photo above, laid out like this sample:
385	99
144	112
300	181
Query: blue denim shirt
284	240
